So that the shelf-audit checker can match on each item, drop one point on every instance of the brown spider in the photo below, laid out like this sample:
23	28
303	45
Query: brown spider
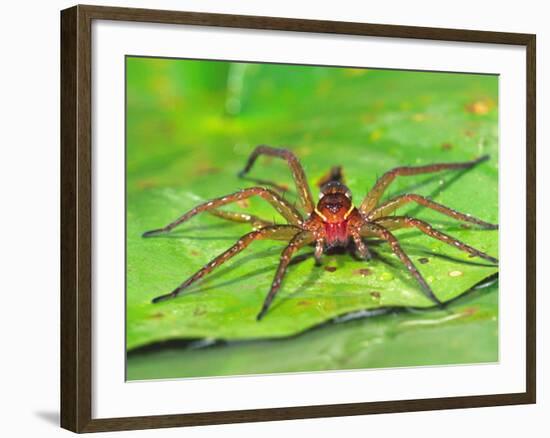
333	222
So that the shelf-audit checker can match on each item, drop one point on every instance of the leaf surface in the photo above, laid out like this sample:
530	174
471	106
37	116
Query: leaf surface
190	129
466	333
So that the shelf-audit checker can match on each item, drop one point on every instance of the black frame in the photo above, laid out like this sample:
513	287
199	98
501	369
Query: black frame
76	219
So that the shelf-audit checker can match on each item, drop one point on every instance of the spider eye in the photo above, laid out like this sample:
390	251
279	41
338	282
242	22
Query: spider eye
348	194
321	194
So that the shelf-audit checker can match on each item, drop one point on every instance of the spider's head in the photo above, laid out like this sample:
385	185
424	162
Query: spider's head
335	202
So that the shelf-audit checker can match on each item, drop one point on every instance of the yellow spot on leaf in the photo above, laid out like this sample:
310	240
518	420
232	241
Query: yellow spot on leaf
480	107
375	135
419	117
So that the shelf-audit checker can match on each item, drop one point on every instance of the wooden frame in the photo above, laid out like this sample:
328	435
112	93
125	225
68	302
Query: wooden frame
76	243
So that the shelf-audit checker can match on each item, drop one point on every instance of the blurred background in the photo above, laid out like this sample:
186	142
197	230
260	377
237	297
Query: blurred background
190	127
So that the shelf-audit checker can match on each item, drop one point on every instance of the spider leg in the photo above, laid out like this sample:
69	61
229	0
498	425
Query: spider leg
393	204
397	222
282	206
372	198
272	232
372	228
241	217
296	243
318	253
302	187
362	248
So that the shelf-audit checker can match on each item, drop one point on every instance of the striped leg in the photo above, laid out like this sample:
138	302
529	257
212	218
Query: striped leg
241	218
380	231
302	187
393	204
296	243
273	232
372	198
362	249
319	250
397	222
283	207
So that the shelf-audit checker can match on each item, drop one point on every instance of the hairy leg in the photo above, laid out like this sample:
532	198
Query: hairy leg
282	206
319	249
275	232
372	198
241	218
380	231
393	204
397	222
296	243
362	248
302	187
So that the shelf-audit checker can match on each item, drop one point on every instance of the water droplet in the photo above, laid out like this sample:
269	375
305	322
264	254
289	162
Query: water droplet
455	273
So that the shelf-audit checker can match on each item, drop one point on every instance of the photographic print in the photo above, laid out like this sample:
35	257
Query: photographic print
296	218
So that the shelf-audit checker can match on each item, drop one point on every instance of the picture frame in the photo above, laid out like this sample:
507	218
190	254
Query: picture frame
79	168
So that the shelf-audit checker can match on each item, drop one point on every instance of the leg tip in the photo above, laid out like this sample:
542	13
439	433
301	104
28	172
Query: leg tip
162	298
152	233
490	259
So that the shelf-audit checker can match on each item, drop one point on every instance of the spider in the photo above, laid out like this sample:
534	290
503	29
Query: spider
333	222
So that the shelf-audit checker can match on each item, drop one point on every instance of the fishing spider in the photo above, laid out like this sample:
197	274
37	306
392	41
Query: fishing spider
333	222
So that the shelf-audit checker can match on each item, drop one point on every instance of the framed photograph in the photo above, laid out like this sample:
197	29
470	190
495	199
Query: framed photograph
268	218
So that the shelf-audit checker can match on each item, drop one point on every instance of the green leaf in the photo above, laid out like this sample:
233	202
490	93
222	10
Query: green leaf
190	128
467	332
